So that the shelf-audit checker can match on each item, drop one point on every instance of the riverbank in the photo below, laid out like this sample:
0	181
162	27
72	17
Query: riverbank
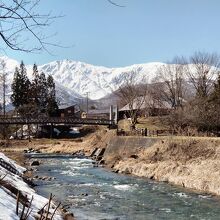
189	162
91	137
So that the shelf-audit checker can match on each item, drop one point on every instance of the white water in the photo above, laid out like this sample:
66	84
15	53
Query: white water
95	193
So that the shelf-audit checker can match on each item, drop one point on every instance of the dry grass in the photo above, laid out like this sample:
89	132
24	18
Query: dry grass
192	162
124	124
182	149
151	123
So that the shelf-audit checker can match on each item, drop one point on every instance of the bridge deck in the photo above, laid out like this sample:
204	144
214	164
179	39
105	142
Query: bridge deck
55	120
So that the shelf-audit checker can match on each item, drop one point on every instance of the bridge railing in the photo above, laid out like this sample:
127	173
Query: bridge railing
55	120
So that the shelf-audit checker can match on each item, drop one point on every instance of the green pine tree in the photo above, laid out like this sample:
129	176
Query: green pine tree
35	90
52	105
20	89
15	97
24	85
43	93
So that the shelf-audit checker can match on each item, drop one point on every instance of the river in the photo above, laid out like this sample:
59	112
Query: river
95	193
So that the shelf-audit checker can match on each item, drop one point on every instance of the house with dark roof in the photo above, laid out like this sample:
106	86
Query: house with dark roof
68	111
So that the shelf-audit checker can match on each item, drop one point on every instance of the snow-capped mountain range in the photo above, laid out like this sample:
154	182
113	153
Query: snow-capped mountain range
74	79
97	80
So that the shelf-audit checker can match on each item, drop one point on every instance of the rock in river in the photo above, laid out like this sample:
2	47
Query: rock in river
35	163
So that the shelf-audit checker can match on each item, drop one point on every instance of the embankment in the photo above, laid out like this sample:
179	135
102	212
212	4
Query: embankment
190	162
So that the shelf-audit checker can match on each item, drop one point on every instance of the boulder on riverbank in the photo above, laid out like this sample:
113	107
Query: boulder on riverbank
35	163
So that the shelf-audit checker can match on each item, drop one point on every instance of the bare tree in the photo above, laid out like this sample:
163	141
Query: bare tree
202	69
21	23
4	129
200	113
170	86
3	78
131	89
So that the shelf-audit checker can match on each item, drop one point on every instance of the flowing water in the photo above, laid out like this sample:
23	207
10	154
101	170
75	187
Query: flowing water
96	193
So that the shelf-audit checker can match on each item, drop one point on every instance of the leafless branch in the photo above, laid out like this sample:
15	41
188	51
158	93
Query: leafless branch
202	69
115	4
132	92
20	22
170	86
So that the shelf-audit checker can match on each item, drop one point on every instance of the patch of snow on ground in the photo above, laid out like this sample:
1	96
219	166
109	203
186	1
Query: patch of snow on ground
7	206
8	200
19	168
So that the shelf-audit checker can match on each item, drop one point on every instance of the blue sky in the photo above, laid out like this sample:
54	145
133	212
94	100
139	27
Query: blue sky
143	31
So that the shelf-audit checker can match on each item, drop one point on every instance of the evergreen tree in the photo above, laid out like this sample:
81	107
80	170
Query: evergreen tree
35	72
24	84
35	89
43	93
15	97
20	88
36	97
52	106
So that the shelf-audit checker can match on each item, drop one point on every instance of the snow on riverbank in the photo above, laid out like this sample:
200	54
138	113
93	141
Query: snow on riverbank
12	182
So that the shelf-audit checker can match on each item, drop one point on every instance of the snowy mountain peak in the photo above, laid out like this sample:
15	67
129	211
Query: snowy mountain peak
99	81
74	78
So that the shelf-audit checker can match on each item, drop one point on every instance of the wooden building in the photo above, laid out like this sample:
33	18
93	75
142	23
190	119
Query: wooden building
68	111
146	107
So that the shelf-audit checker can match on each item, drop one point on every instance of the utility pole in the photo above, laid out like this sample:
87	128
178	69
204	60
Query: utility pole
87	103
81	104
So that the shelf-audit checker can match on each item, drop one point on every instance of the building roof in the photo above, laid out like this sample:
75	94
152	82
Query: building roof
146	102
